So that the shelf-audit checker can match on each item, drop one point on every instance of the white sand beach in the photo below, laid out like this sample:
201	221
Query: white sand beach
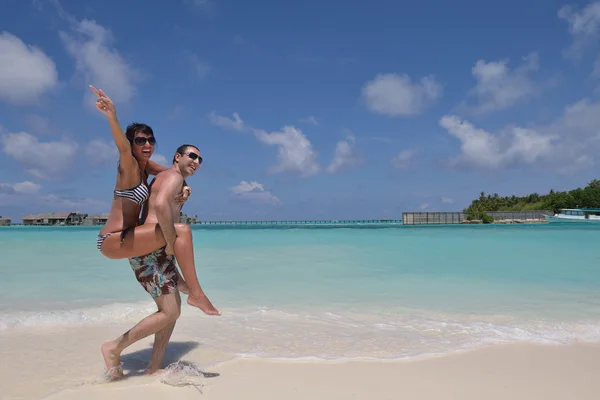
65	364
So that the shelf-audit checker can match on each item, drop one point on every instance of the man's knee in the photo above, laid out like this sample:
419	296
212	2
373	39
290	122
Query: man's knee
170	305
173	311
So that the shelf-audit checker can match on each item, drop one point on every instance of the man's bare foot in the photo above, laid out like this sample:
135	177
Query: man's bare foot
152	371
112	359
204	304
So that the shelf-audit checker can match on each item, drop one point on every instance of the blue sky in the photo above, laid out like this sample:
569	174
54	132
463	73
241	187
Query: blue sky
305	109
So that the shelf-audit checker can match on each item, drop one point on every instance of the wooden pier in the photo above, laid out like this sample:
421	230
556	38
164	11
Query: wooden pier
432	218
303	222
408	218
500	217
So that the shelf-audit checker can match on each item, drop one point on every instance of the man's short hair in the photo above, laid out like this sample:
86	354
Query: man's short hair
182	149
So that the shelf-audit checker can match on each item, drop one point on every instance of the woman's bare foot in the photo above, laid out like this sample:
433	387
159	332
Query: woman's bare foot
112	359
204	304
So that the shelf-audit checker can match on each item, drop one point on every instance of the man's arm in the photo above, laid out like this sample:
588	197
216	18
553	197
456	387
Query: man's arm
170	186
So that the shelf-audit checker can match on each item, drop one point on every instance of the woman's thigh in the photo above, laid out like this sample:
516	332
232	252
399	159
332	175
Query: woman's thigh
138	241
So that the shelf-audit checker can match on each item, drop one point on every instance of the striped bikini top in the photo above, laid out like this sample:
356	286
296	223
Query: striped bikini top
138	194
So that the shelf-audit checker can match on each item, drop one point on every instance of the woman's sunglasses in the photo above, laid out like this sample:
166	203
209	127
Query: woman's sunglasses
140	141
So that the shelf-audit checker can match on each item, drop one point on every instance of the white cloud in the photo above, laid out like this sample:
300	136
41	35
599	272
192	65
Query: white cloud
239	40
254	192
403	159
596	70
424	206
176	112
480	148
100	152
98	62
245	187
499	88
582	117
39	124
381	139
85	205
566	145
41	159
310	120
203	5
20	195
25	187
26	72
295	153
447	200
201	68
579	136
344	155
584	26
396	95
160	159
236	124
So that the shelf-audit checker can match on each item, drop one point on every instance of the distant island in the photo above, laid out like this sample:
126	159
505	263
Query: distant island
587	197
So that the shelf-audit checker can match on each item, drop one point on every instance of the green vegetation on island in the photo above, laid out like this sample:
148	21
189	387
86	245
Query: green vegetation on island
588	197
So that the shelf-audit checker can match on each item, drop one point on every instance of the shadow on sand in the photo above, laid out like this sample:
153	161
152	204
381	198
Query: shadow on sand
134	363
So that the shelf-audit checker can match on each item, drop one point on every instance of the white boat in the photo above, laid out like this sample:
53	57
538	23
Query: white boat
575	215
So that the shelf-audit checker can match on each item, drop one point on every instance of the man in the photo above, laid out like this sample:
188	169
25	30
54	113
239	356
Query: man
157	271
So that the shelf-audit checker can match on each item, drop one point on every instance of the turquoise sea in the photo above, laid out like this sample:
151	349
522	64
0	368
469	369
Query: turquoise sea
329	292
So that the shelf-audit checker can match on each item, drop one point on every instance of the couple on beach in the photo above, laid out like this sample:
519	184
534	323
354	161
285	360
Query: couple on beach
143	226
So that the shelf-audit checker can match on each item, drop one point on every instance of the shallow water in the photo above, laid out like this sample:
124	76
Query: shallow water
358	292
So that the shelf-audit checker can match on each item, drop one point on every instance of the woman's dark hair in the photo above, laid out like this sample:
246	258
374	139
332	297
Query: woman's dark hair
136	127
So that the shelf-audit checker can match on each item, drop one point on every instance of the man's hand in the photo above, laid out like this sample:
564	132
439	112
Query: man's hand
182	196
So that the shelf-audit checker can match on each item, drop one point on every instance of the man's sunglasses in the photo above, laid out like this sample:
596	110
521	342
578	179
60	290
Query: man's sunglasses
140	141
194	156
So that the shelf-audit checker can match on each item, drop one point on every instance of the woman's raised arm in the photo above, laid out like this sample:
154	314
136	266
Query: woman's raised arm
153	168
105	105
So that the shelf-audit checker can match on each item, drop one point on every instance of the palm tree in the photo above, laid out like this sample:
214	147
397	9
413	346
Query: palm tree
594	184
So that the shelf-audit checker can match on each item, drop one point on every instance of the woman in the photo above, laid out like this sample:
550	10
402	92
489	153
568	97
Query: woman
122	236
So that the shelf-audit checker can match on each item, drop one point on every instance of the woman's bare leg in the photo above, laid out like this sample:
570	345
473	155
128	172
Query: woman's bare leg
139	241
144	239
184	253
